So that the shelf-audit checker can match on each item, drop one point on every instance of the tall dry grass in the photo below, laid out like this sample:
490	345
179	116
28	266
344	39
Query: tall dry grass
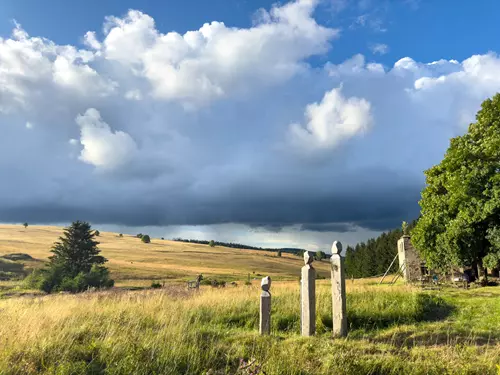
173	331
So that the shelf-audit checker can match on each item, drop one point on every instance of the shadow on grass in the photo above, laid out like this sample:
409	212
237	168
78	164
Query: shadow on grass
392	311
11	270
423	337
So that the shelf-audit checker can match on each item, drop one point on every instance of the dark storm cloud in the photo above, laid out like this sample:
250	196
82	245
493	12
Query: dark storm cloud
260	139
371	210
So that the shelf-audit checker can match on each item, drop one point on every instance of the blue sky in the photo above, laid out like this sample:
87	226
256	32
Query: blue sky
424	29
291	124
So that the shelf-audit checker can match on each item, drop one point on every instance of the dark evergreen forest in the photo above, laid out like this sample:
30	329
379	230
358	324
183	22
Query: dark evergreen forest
373	257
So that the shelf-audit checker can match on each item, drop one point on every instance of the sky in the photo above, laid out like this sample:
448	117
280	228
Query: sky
290	124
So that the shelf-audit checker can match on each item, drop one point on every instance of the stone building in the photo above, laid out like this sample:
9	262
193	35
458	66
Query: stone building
412	267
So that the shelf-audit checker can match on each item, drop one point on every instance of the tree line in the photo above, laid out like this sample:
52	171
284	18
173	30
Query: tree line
373	257
233	245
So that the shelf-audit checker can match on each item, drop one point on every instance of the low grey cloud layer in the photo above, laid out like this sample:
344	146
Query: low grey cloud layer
223	125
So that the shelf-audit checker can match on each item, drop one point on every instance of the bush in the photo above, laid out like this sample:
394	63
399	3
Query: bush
320	255
155	285
211	243
97	233
279	253
120	235
33	280
139	235
146	239
54	280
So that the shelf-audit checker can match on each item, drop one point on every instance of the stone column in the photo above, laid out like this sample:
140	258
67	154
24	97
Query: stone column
308	297
338	291
265	306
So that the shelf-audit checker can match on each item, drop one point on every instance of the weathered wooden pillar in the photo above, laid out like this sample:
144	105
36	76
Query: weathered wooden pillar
338	291
265	306
308	297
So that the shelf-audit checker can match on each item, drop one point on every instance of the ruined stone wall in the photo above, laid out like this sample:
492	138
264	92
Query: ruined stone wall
408	255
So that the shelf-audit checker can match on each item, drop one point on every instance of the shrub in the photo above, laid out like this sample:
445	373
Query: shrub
155	285
211	243
139	235
54	280
97	233
320	255
279	253
120	235
146	239
34	279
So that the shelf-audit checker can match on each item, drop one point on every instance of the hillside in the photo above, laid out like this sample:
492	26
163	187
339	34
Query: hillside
133	263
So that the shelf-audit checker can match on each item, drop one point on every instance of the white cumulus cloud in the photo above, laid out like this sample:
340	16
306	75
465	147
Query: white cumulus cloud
215	60
334	120
101	146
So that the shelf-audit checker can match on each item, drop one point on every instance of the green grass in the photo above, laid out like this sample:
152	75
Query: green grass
392	329
172	331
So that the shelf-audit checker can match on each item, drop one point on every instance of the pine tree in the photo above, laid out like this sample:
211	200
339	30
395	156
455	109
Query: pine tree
76	251
349	262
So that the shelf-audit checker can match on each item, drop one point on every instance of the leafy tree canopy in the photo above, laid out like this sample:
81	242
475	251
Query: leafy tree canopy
460	205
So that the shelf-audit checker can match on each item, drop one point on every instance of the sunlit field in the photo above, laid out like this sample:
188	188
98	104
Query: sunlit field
393	329
133	263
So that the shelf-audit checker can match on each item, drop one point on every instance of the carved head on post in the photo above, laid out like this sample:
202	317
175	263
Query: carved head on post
336	247
265	284
308	258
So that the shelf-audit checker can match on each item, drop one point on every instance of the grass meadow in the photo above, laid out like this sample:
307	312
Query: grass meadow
393	329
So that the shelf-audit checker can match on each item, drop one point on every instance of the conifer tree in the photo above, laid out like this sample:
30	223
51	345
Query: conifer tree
76	251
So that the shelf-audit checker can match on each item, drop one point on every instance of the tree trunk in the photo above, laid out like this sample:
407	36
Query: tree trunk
482	272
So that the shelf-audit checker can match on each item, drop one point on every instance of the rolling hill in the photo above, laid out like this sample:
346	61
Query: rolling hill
133	263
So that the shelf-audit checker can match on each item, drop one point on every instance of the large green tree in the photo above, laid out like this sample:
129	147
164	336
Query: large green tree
76	251
460	205
76	264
